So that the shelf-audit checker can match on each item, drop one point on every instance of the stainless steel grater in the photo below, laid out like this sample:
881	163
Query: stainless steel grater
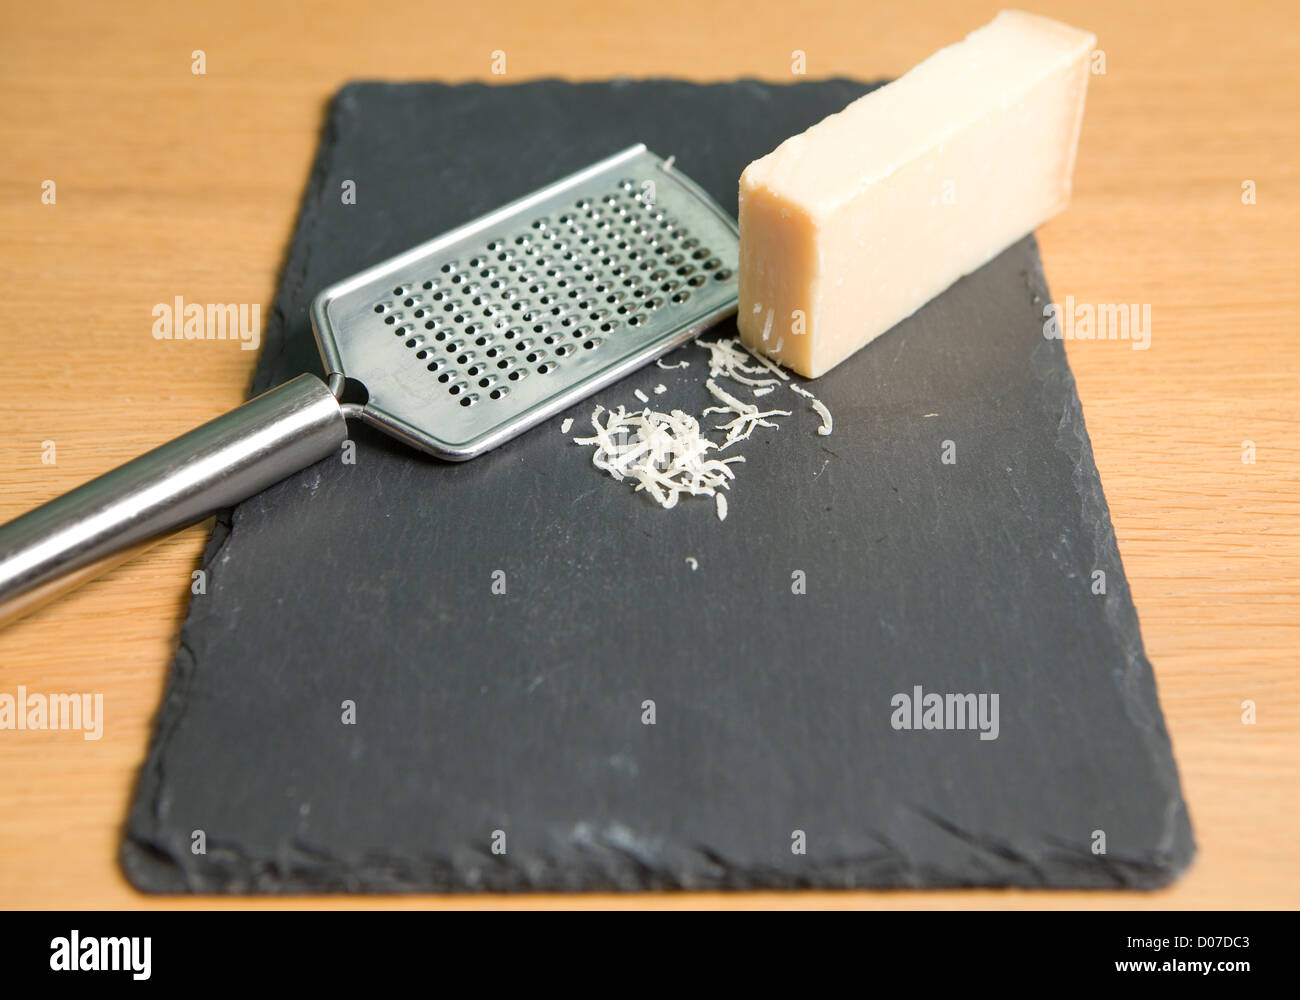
454	347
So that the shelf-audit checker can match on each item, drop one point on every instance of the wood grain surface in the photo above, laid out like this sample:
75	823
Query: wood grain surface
170	183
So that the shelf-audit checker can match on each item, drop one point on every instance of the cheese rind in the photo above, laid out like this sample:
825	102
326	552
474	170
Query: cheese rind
853	225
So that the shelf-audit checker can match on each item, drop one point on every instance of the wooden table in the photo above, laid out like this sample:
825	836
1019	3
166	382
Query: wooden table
169	183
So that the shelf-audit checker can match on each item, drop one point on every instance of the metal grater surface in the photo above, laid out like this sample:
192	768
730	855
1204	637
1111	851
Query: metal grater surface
469	339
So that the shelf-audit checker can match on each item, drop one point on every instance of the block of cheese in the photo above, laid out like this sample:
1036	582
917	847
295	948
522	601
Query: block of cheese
856	223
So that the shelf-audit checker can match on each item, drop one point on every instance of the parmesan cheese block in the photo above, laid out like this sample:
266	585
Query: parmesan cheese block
859	221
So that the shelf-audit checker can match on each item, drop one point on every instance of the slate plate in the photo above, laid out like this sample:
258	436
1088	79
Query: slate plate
517	721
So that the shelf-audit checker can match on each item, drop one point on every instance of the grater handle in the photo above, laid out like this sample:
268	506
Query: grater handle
96	526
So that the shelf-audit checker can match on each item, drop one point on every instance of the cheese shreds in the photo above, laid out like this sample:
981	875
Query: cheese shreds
827	423
564	427
664	454
660	389
769	364
825	429
682	364
669	455
693	563
748	416
729	359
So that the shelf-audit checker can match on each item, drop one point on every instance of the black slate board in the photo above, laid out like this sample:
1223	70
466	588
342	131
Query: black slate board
523	712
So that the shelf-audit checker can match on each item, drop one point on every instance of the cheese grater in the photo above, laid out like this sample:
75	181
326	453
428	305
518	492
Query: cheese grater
454	347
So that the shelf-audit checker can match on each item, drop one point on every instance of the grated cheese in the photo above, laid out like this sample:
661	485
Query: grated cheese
664	454
827	423
748	416
825	429
564	427
727	358
668	455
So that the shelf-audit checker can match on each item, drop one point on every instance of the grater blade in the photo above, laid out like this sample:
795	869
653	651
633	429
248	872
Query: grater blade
471	338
